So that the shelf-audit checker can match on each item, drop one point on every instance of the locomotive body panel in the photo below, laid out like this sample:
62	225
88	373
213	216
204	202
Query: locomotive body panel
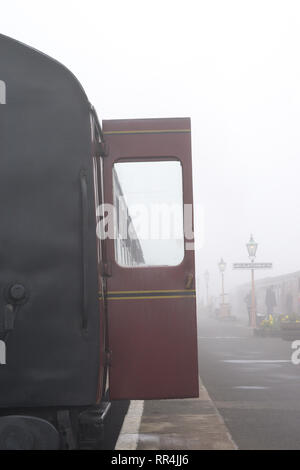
45	163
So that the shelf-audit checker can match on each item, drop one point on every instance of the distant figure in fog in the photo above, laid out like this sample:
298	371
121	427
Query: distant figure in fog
289	303
270	300
248	301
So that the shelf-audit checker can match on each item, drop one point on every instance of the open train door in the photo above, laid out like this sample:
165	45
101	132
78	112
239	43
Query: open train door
150	269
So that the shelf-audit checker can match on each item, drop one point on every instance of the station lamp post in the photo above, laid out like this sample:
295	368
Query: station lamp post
206	277
222	267
252	248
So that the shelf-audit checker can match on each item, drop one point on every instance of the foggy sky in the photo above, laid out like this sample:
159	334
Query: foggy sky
232	66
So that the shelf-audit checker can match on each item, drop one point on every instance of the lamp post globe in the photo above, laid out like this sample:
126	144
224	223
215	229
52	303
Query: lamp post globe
252	248
222	265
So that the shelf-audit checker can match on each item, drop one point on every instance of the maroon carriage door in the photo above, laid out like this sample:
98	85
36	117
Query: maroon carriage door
151	285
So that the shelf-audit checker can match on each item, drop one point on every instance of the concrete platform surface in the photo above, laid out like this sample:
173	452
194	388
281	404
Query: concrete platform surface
189	424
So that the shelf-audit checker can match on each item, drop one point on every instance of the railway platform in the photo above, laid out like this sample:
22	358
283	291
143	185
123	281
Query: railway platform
190	424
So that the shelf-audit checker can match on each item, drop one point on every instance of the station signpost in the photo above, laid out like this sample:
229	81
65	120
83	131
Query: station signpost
252	265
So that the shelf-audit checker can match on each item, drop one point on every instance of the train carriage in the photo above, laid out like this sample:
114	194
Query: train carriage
86	318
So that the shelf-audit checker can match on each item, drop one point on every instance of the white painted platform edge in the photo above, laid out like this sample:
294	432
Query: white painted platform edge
129	435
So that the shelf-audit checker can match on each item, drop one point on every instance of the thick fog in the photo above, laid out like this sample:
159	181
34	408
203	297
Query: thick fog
233	67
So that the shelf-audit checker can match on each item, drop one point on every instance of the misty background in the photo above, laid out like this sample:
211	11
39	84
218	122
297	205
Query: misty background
233	67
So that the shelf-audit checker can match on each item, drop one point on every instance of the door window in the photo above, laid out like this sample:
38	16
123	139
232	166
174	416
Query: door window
148	201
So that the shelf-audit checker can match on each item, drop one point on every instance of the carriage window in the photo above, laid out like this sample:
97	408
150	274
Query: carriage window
148	200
